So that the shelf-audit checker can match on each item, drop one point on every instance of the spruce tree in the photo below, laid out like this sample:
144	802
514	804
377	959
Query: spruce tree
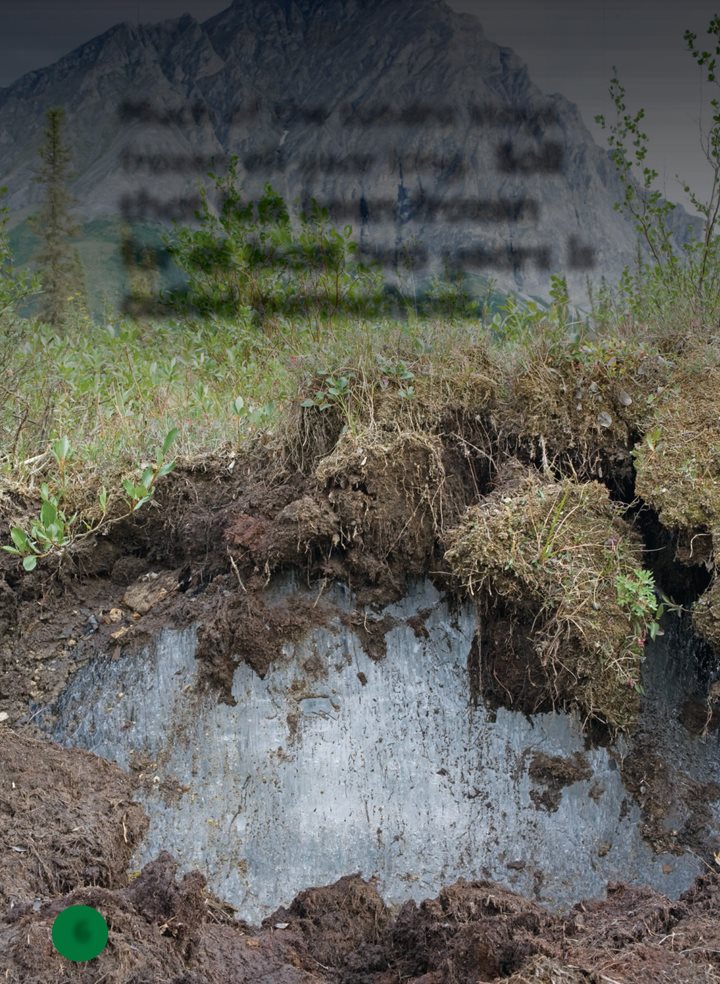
57	259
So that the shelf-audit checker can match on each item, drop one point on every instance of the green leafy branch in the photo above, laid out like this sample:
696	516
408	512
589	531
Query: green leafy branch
140	492
636	595
668	278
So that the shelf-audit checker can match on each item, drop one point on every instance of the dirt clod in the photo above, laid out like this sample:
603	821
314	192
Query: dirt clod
543	559
67	819
551	773
149	590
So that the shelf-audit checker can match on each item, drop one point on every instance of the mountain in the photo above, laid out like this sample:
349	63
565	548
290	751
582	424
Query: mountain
417	127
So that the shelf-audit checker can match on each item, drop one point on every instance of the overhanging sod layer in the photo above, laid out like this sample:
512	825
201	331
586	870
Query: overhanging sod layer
549	555
678	462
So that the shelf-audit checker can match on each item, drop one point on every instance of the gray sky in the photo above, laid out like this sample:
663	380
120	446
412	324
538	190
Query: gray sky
570	47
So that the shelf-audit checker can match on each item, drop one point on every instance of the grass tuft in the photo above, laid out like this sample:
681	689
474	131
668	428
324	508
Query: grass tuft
559	555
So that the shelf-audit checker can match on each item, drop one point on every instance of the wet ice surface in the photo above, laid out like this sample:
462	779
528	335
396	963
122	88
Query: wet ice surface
309	778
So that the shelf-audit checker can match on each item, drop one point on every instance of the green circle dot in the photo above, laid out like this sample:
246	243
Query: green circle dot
79	933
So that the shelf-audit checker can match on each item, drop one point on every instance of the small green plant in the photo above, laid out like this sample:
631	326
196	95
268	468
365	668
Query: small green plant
53	531
603	305
636	594
515	320
448	295
399	374
335	392
62	452
652	438
249	415
560	296
140	492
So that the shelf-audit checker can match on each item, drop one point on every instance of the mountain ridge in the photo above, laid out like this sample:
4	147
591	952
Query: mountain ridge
284	56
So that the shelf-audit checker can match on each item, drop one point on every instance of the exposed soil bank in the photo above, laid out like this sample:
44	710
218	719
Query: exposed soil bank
71	831
514	485
369	507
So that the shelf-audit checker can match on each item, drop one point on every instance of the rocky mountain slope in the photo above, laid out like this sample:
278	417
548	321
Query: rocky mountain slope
418	127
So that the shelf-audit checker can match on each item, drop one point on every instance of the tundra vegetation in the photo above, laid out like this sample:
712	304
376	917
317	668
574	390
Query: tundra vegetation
516	451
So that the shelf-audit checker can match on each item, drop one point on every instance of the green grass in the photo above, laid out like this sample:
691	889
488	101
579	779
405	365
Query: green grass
116	388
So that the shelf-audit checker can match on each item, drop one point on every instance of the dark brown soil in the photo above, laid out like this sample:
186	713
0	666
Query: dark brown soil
699	716
551	773
509	672
66	818
243	627
165	929
655	783
371	632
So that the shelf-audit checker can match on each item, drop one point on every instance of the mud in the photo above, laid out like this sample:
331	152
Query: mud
67	819
649	778
243	627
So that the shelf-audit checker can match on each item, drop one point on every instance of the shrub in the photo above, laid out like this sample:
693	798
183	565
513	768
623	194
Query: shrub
250	256
669	279
53	531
